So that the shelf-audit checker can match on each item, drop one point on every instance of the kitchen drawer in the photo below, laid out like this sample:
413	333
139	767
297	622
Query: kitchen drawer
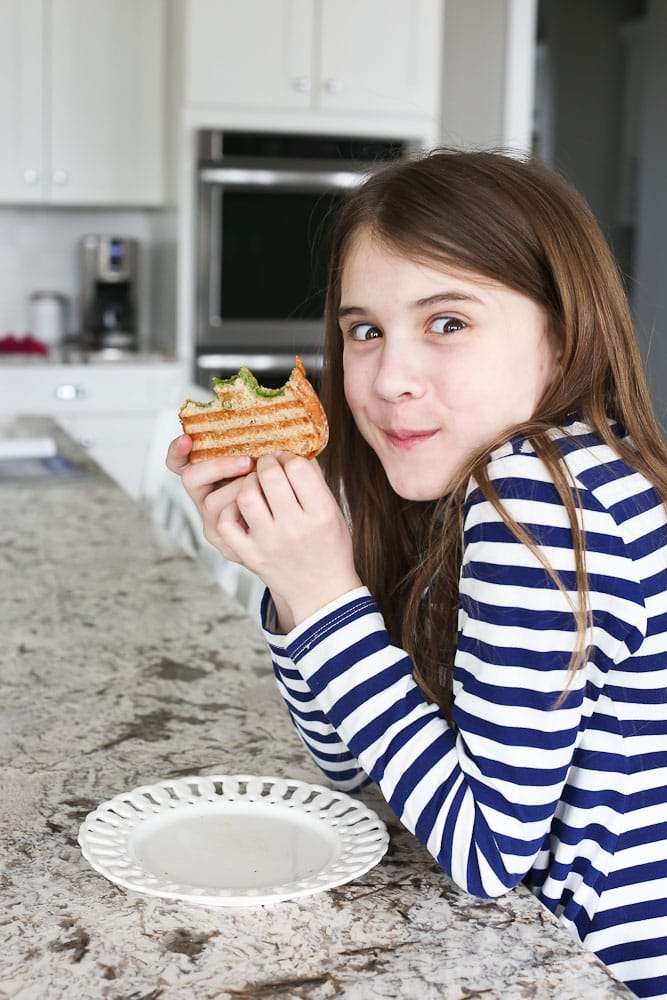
62	390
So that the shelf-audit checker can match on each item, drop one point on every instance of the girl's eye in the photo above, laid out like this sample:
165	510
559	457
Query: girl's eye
364	331
447	324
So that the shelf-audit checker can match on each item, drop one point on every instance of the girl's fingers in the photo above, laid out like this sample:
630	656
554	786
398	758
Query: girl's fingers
242	516
232	529
220	496
305	479
212	470
201	478
252	502
242	497
217	470
178	453
275	485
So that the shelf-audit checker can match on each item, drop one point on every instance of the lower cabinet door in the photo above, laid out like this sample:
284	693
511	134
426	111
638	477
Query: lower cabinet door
119	444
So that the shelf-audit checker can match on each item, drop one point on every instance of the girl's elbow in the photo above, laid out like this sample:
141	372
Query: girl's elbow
483	880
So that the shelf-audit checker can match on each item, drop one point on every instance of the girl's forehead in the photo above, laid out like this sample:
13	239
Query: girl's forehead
367	248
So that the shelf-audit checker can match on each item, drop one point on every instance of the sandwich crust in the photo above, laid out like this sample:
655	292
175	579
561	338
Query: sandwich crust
245	418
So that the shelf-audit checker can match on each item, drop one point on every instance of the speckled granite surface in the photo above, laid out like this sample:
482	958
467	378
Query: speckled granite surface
121	665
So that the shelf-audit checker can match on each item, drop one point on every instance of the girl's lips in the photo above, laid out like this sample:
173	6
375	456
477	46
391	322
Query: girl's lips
406	440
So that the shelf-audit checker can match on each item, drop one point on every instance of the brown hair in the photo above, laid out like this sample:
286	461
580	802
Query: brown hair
521	224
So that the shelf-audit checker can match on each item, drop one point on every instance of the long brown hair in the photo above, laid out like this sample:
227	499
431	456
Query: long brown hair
518	223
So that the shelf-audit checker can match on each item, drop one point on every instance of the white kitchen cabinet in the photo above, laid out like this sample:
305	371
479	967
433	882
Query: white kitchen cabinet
82	101
21	99
255	54
380	56
377	57
110	409
119	443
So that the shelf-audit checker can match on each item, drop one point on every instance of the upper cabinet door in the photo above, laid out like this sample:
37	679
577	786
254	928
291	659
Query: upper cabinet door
106	101
249	53
21	87
381	56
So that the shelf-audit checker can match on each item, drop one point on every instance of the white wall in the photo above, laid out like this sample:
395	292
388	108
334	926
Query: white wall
39	252
489	74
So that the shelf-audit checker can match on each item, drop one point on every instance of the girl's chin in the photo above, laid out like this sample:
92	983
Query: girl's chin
411	489
419	481
410	478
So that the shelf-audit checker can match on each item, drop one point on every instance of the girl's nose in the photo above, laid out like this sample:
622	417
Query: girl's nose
398	375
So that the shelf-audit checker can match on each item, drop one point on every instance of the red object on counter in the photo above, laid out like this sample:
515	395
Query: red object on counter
22	345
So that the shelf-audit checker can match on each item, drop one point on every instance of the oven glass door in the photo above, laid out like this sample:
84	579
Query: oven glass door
275	252
264	256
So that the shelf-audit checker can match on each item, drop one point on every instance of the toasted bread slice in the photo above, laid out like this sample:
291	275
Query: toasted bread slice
244	418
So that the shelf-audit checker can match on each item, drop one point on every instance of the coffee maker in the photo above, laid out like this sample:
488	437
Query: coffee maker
109	302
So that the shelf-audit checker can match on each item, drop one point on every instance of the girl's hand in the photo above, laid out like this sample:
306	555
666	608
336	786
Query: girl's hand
282	522
202	478
279	519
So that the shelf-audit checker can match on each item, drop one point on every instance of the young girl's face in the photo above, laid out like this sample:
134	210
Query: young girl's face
437	363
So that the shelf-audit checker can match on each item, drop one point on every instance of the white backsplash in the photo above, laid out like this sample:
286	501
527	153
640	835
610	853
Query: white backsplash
39	251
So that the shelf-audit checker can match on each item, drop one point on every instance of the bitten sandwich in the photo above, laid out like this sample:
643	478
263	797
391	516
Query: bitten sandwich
245	418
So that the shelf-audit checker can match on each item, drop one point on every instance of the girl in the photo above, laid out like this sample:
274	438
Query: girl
484	633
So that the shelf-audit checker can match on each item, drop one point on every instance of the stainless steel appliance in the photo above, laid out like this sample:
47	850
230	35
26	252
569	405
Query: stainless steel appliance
109	286
266	205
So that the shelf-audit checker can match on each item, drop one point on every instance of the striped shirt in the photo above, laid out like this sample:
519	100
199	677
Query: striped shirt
570	797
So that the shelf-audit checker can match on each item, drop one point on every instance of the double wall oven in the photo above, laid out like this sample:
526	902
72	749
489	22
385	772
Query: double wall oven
266	209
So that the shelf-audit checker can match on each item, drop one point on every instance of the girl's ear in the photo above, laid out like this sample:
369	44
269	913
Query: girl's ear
557	346
557	338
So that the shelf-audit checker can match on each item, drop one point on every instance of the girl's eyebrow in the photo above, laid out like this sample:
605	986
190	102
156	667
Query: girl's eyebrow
452	296
351	311
430	300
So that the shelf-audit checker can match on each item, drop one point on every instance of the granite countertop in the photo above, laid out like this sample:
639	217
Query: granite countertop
121	665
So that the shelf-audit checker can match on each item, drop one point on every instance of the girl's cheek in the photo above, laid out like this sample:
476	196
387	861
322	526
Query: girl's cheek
348	388
352	397
357	379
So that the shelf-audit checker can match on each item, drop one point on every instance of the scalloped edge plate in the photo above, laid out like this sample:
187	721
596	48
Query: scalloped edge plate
232	840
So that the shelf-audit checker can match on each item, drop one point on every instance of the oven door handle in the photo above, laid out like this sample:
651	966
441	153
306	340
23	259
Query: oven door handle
215	256
304	180
256	362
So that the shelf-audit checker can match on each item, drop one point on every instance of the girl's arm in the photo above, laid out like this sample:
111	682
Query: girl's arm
316	732
318	735
481	798
215	487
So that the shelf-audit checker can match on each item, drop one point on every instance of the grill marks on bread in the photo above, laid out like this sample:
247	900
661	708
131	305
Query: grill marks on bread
246	419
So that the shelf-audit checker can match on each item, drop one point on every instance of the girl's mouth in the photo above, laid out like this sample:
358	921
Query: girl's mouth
406	440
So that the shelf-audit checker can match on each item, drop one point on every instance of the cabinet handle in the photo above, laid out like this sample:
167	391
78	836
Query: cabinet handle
31	175
333	86
60	177
69	391
303	84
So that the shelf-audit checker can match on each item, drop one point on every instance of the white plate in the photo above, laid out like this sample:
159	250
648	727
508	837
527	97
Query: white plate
232	840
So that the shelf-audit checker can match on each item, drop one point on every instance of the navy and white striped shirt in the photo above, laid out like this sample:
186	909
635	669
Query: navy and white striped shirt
571	799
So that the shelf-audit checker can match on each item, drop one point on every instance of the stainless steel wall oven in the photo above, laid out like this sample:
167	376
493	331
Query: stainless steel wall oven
266	207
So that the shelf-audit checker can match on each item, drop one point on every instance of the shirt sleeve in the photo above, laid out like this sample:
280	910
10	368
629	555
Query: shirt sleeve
314	729
480	796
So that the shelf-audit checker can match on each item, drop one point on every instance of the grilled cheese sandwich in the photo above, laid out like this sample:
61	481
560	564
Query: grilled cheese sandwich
244	418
